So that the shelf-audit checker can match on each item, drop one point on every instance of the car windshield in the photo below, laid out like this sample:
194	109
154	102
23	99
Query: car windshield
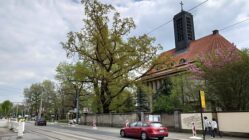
156	124
41	119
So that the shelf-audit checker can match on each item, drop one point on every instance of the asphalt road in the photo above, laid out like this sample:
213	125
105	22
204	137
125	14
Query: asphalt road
57	132
71	132
81	132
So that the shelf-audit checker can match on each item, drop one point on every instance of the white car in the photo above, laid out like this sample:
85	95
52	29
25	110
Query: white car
73	121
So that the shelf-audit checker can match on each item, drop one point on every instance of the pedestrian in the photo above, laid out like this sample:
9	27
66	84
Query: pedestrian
214	127
126	123
207	126
193	129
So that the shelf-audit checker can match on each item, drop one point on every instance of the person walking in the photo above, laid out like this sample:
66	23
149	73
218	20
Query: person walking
193	129
214	127
207	126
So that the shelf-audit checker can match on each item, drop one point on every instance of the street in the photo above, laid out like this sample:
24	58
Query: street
66	132
59	131
70	132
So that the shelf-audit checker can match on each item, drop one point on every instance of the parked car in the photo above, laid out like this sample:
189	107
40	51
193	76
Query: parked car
144	130
41	121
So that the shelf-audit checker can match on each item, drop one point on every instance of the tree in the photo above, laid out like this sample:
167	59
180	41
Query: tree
164	100
42	97
111	60
66	99
142	103
6	108
123	103
186	90
71	74
226	72
50	99
32	97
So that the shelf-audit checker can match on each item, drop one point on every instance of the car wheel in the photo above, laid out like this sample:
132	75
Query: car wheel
122	133
160	138
143	136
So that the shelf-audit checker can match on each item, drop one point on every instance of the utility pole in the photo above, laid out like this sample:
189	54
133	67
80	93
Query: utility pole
202	106
77	106
40	108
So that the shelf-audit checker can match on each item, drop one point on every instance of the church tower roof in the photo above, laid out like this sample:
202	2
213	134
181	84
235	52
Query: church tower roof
183	29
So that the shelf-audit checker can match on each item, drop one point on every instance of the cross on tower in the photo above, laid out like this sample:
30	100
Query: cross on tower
181	5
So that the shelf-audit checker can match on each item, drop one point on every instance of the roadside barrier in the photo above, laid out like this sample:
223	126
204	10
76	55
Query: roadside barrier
17	126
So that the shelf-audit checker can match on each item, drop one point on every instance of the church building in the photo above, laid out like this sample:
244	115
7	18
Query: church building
187	50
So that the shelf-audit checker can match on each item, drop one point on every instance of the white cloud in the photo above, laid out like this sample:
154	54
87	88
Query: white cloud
31	31
30	35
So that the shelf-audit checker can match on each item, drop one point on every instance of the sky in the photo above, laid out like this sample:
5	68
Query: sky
31	32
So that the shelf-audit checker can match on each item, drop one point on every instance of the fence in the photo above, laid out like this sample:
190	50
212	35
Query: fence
231	122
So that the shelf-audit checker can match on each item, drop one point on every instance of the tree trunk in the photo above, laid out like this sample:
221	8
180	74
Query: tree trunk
106	108
104	94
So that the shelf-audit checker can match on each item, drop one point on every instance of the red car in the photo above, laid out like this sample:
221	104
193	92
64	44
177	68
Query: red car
145	130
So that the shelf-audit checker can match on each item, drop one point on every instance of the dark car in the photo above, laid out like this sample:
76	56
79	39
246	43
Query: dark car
41	121
144	130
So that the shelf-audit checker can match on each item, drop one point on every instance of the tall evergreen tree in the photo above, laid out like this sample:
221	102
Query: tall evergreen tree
142	101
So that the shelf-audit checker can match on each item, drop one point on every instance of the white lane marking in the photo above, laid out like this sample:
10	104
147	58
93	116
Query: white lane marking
66	134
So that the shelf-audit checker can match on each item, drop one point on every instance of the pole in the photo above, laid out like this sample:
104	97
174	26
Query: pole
40	109
203	133
77	106
17	111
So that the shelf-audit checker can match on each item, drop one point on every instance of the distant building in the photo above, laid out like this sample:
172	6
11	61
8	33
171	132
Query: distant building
186	50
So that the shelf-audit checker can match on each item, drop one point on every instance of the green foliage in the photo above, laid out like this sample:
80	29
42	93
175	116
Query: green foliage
226	74
164	101
142	101
1	111
186	89
110	59
231	85
178	92
6	107
45	91
123	103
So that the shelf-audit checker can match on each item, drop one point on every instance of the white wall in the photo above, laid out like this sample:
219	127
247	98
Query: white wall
234	122
188	118
3	123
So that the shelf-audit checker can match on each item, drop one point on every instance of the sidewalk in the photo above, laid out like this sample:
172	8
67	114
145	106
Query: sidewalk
6	134
172	135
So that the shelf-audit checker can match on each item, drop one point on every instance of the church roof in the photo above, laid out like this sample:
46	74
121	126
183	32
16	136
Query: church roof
194	50
199	47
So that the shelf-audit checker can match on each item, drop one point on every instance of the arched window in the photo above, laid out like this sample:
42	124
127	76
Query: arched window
182	61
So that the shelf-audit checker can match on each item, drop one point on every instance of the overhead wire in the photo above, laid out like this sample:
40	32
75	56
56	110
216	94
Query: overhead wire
158	27
234	24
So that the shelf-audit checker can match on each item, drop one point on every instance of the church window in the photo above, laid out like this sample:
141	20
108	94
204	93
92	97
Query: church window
182	61
179	28
189	28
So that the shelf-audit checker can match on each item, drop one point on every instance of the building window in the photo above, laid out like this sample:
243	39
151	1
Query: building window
179	29
182	61
189	29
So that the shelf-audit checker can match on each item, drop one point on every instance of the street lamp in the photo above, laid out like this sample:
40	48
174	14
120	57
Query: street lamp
40	108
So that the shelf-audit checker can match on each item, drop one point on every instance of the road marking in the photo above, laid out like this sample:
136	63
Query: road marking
66	134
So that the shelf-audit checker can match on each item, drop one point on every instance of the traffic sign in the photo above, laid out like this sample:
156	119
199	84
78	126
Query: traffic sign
203	102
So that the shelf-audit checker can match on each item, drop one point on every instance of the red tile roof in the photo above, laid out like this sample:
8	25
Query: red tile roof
195	49
200	46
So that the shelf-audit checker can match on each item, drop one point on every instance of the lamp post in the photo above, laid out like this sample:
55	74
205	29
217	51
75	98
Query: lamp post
40	108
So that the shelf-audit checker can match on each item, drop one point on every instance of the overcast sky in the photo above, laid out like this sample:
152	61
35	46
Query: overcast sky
31	30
